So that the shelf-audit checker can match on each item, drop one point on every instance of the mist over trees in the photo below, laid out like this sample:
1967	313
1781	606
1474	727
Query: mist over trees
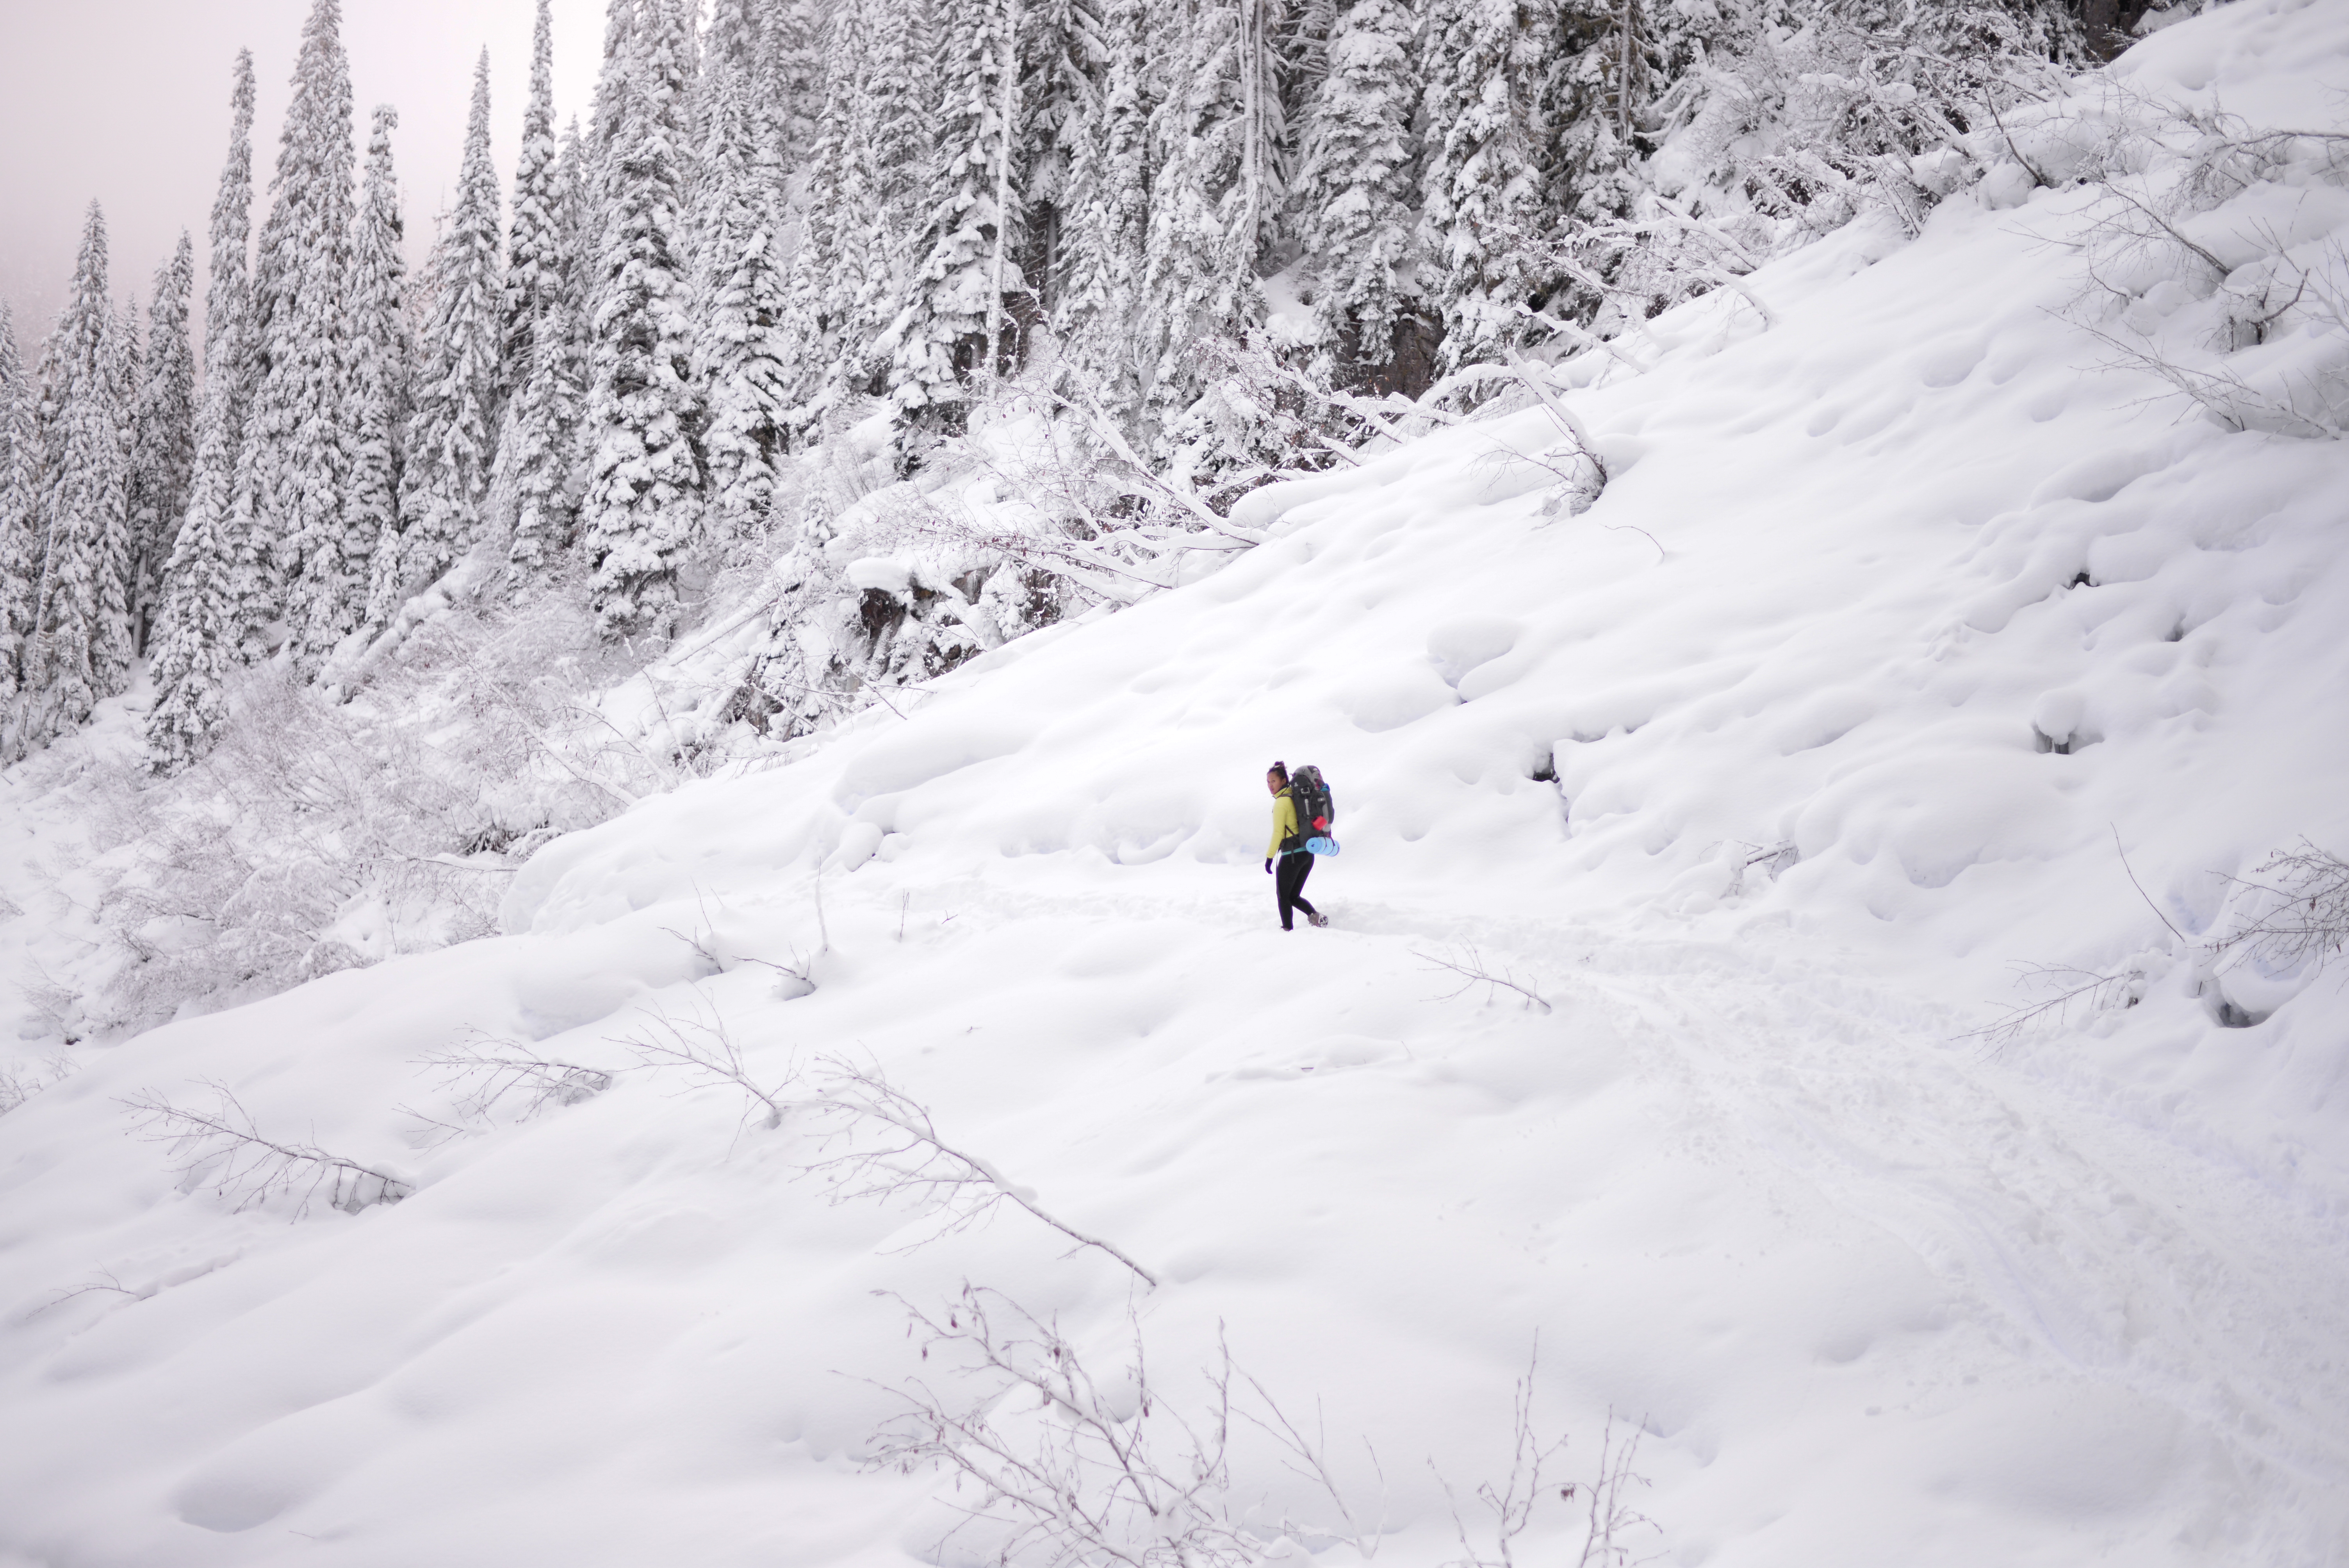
799	248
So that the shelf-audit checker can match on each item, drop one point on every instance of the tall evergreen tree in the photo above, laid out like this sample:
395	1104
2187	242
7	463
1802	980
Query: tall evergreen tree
1109	257
200	619
450	430
1354	191
828	272
114	640
544	426
20	524
1217	199
645	477
193	630
84	502
1483	220
164	455
378	415
534	263
294	461
738	357
957	287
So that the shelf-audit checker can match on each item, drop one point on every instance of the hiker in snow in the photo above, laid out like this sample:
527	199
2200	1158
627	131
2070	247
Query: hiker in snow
1288	852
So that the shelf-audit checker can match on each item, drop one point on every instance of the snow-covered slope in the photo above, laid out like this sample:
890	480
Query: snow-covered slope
1875	1290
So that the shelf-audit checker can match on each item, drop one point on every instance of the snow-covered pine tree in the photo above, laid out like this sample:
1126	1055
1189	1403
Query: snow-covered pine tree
445	457
377	419
293	459
1063	63
828	268
83	504
1354	193
953	311
1217	194
1483	63
1109	202
20	527
792	77
192	629
200	619
164	454
544	423
738	357
533	262
646	475
895	113
114	635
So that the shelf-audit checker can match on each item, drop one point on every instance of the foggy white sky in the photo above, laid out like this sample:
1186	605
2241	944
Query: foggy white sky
127	101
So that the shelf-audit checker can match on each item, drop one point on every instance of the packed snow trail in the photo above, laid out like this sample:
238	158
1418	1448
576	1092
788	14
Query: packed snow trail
1751	773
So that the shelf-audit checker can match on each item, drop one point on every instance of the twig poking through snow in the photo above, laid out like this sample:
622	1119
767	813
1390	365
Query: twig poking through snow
1473	972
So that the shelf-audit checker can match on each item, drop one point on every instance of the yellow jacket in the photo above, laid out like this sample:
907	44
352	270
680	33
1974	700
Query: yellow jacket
1284	827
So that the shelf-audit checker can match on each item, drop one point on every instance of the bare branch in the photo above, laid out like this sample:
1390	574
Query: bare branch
1473	972
222	1148
913	1159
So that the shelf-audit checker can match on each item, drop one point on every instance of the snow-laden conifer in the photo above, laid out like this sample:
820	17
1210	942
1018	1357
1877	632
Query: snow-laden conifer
534	262
739	359
828	268
200	618
1216	191
191	645
380	352
164	452
82	505
294	460
114	635
446	460
1109	220
1482	219
1354	190
20	528
645	478
955	293
543	420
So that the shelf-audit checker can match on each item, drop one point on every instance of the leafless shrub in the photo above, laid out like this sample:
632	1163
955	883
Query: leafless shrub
486	1074
222	1149
1610	1518
881	1144
704	1050
1053	1467
2305	913
18	1084
1471	968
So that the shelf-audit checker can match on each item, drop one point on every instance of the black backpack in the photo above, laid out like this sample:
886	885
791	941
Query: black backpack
1316	808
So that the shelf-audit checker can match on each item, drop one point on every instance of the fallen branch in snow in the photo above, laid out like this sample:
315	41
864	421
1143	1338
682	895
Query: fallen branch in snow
853	1101
1474	974
2099	992
225	1148
1093	1471
485	1071
886	1144
705	1049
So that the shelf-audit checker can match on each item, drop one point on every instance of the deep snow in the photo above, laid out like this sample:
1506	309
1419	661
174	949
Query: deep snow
1875	1290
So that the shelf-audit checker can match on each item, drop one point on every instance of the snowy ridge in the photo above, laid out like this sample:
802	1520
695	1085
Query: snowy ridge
1758	774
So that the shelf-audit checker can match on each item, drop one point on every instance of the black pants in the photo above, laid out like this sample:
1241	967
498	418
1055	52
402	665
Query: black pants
1289	884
